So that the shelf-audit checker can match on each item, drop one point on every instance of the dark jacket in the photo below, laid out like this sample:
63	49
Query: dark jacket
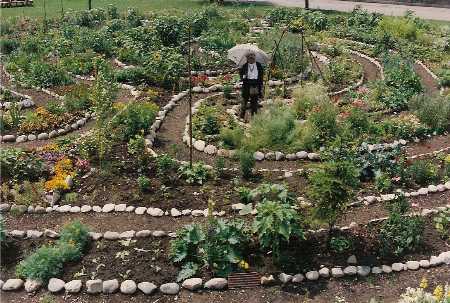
243	71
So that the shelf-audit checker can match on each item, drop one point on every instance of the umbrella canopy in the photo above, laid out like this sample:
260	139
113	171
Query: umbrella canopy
238	54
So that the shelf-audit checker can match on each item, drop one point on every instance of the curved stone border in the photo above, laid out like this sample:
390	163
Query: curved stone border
27	101
430	154
129	287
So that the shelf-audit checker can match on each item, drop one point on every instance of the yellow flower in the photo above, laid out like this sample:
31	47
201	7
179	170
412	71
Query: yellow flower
244	265
438	292
447	159
424	283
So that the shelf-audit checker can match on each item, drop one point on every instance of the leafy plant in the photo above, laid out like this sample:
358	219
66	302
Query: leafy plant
433	111
20	165
442	223
340	244
331	189
276	223
422	172
400	233
165	164
198	173
247	162
143	183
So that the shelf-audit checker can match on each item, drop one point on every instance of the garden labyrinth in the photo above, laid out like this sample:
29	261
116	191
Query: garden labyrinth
341	181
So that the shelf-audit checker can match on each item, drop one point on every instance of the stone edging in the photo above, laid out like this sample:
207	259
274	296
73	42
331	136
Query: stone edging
27	102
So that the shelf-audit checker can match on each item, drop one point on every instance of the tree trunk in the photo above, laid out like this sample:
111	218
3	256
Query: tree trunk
90	4
307	4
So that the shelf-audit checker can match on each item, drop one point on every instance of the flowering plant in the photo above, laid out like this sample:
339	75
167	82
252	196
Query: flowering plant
63	168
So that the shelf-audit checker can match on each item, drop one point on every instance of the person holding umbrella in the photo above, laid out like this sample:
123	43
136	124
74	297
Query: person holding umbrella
250	60
252	75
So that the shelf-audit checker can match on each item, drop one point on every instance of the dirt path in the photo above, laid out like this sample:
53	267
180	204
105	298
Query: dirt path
428	82
430	145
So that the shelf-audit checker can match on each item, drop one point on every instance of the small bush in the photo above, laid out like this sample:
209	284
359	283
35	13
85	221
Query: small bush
165	164
307	97
18	165
232	138
47	261
442	223
247	162
433	111
340	244
400	234
135	118
197	174
143	183
219	167
422	172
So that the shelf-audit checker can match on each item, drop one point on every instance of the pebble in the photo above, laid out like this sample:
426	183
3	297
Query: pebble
312	275
86	208
111	235
413	265
155	212
73	286
32	285
363	271
398	266
298	278
159	233
424	263
34	234
376	270
120	207
216	284
324	272
192	283
352	260
55	285
108	208
258	156
140	210
110	286
175	212
284	278
170	288
128	287
337	272
51	233
143	233
127	234
12	284
147	287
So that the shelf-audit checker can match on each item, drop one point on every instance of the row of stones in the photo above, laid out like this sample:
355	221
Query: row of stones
430	154
97	286
112	235
360	270
26	101
133	90
107	208
389	197
48	135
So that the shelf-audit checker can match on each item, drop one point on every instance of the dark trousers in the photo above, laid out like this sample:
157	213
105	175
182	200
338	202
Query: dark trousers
246	98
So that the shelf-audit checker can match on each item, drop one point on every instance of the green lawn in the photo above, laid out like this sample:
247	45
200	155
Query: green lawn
53	8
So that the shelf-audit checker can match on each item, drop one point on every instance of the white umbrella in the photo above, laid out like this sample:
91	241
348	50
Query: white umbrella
238	54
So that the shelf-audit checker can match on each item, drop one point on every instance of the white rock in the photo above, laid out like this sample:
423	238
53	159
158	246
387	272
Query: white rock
432	188
32	137
110	286
386	269
313	156
210	149
17	233
147	287
284	278
75	209
267	280
350	270
107	208
120	207
398	266
445	257
170	288
363	271
376	270
258	156
51	233
42	136
337	272
423	191
34	234
32	285
95	236
86	208
73	286
424	263
159	233
128	287
324	272
301	155
130	208
279	156
140	210
413	265
298	278
175	212
55	285
192	283
155	212
12	284
435	261
216	284
197	213
199	145
127	234
21	138
312	275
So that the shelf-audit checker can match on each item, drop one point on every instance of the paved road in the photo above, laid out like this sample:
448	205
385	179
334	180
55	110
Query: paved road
433	13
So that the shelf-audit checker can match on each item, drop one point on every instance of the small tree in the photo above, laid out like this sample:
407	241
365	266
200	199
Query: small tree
275	224
331	188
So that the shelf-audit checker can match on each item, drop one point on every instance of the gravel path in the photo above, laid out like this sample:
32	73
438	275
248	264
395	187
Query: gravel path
432	13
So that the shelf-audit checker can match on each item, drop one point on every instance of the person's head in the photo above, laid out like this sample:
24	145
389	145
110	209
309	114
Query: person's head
251	57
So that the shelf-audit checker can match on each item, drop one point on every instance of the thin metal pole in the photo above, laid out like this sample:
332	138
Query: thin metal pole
45	17
302	58
62	9
190	96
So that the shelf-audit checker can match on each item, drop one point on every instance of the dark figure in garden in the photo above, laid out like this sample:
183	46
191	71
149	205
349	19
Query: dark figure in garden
251	74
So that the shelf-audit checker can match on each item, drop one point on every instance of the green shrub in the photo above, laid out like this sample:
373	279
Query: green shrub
19	165
276	223
307	97
422	172
197	174
30	193
143	183
247	162
135	118
442	223
54	107
340	244
331	189
219	245
433	111
359	121
383	182
399	233
399	28
77	99
232	137
219	166
165	165
47	261
7	46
